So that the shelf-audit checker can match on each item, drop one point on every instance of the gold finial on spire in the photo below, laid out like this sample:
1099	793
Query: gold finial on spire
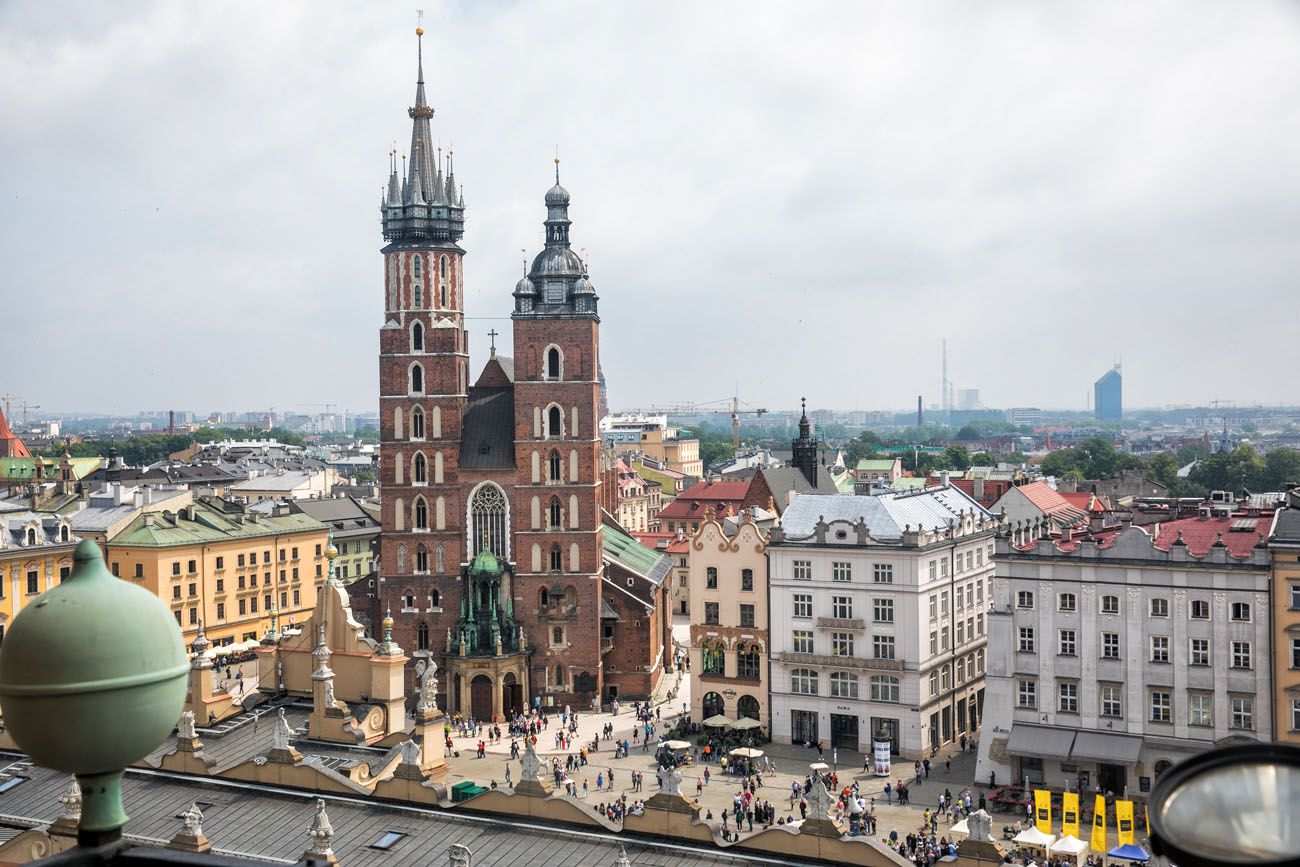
524	258
557	163
419	18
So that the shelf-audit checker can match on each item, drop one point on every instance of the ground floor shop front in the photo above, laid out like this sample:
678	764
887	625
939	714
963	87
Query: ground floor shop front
857	725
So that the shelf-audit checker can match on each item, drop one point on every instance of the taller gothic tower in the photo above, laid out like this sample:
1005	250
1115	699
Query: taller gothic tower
423	361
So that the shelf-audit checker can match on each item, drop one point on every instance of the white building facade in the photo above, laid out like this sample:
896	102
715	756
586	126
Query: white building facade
1110	661
878	618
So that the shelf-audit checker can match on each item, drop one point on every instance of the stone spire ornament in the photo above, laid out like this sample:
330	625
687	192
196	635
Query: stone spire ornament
280	732
322	835
388	647
622	860
190	837
321	656
71	801
185	727
459	856
200	648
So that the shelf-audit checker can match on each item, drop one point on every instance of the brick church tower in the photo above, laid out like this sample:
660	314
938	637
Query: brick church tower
491	552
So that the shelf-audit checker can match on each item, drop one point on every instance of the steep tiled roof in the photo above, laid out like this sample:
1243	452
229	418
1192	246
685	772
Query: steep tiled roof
1239	532
695	500
488	431
10	445
1049	501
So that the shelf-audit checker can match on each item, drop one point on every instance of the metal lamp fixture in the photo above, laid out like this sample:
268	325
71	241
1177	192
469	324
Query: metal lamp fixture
93	677
1230	806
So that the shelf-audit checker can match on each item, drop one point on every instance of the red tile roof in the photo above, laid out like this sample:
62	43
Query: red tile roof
695	500
1087	501
1050	501
1200	534
10	445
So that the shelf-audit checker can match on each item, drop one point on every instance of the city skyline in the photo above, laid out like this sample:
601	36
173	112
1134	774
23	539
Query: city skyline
232	258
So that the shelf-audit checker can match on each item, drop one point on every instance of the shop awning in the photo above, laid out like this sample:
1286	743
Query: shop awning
1106	747
1045	742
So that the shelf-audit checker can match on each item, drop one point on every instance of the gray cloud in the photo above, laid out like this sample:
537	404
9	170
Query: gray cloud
799	199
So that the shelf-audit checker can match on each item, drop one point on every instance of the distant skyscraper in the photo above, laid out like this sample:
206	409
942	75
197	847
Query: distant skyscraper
1108	396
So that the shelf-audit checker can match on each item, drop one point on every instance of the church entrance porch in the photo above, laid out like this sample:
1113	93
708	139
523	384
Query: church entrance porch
480	697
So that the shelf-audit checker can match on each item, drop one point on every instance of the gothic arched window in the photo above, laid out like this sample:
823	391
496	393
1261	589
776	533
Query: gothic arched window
487	513
553	363
421	518
417	379
554	422
422	635
554	514
421	559
435	600
445	271
556	559
418	267
417	424
559	675
417	337
419	469
554	468
418	292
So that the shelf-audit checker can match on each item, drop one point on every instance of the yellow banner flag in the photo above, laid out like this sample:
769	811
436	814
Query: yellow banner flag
1099	825
1070	814
1124	821
1043	810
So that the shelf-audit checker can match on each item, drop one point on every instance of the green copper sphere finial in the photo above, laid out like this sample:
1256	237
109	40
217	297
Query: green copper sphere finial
92	677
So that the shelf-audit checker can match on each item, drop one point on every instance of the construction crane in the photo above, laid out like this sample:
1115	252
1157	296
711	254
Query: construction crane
329	407
8	397
26	407
711	406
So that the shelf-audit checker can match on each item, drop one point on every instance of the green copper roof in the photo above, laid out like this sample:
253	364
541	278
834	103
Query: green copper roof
627	552
485	563
875	464
210	524
25	468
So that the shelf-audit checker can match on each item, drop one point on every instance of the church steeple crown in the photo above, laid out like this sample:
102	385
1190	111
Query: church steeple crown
557	272
427	207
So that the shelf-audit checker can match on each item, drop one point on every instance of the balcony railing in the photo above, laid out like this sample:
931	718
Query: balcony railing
841	623
814	659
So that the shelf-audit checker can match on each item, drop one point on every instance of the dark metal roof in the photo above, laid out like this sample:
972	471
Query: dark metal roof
488	432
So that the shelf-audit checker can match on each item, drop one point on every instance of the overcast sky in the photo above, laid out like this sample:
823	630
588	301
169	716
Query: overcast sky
792	198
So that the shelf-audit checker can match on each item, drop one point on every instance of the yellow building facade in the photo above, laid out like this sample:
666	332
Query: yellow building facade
1284	548
679	453
35	555
238	572
728	605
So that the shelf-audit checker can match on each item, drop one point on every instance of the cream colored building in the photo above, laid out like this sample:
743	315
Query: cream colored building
728	606
286	484
237	571
1284	546
35	555
679	453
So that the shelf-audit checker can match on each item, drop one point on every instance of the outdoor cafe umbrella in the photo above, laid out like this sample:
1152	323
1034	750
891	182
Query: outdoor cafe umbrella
745	723
718	722
819	766
746	753
677	745
1129	852
960	828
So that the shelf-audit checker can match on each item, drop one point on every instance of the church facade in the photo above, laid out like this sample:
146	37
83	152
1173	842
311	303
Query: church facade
492	557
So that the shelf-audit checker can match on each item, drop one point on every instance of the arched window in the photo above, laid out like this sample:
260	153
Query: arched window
553	363
63	533
417	266
712	705
554	468
420	514
554	516
554	423
747	661
419	469
31	536
417	379
422	632
556	559
803	681
435	599
487	513
444	299
421	559
545	597
714	658
844	684
884	687
559	675
747	707
417	295
417	337
442	264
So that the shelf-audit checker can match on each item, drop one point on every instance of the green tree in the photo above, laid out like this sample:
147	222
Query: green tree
1163	467
1191	452
955	457
983	459
1281	465
865	445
